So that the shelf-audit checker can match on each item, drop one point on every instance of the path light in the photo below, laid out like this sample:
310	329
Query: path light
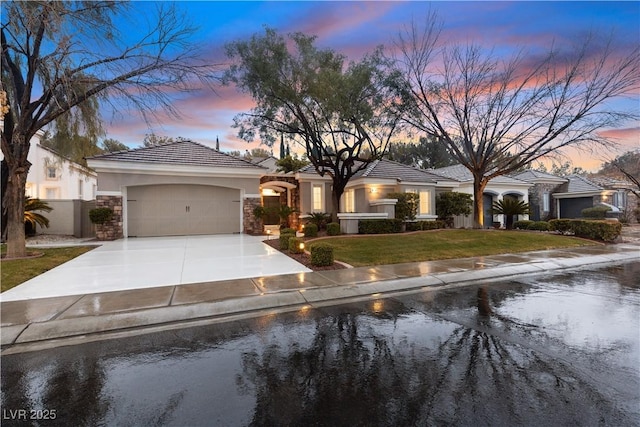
268	234
301	247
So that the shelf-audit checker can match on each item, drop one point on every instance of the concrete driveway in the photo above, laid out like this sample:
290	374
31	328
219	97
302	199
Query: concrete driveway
137	263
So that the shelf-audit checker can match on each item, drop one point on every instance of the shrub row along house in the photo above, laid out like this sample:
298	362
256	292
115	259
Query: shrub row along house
184	188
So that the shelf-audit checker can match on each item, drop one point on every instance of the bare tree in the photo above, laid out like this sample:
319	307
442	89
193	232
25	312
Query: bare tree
496	115
59	56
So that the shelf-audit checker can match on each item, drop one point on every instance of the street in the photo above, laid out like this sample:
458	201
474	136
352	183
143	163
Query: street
560	349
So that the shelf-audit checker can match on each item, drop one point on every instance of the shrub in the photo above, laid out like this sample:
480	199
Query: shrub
288	231
294	245
522	224
284	240
607	231
413	226
596	212
407	205
321	254
452	204
100	215
333	229
561	225
310	230
509	207
539	226
379	226
319	219
432	225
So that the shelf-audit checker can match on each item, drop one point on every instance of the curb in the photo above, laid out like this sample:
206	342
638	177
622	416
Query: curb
69	331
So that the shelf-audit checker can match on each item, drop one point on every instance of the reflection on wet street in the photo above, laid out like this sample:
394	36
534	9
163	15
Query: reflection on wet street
554	350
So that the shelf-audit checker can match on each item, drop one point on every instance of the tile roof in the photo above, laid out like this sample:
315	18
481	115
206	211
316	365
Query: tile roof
387	169
580	184
534	175
462	174
178	153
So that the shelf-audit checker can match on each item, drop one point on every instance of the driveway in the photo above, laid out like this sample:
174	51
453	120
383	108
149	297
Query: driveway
137	263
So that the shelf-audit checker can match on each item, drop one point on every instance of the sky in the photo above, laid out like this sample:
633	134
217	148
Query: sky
354	28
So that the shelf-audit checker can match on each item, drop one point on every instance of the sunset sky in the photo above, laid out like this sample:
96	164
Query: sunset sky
354	28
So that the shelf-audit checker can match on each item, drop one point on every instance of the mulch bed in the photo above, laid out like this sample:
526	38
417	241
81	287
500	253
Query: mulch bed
303	259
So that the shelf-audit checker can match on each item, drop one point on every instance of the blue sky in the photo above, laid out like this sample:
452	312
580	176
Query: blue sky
354	28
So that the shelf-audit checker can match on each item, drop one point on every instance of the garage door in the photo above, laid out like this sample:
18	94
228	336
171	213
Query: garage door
177	210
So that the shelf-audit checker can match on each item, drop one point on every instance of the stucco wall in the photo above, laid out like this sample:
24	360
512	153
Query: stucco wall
108	181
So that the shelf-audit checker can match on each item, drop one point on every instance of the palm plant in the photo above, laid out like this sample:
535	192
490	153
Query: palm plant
284	212
318	218
509	207
32	218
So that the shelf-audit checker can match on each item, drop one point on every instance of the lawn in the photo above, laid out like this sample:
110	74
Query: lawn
17	271
442	244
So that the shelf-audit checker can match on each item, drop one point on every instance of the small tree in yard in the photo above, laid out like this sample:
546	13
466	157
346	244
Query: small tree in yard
451	204
497	116
58	58
343	115
407	205
509	207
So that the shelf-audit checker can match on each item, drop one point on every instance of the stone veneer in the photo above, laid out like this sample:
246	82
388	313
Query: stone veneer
536	194
250	223
111	230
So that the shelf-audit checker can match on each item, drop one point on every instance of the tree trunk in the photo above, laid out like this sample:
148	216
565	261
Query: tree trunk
478	202
336	194
13	200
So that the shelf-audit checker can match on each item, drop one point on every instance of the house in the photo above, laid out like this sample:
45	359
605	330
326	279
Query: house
54	177
69	188
178	188
366	194
497	189
565	197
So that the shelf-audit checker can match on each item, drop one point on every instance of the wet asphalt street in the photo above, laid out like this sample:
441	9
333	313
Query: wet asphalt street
563	349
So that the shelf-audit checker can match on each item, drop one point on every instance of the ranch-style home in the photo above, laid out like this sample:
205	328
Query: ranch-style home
185	188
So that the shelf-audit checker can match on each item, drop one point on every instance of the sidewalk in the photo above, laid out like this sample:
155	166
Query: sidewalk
48	322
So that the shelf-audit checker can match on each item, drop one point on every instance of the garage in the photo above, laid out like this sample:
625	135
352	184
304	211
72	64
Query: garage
181	209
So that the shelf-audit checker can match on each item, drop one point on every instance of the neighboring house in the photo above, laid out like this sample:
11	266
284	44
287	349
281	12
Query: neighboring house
68	188
497	189
565	197
179	188
54	177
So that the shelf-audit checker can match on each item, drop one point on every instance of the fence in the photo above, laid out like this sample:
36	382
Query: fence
69	217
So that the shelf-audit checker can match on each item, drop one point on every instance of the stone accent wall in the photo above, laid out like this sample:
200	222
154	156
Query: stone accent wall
294	220
251	224
536	201
111	230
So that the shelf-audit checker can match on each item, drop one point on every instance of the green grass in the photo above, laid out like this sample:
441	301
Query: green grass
442	244
18	271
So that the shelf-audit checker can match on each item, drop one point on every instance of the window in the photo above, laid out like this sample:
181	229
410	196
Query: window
80	189
620	199
425	203
52	193
349	201
317	198
546	201
51	172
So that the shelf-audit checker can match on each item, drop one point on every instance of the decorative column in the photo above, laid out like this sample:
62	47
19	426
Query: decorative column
112	229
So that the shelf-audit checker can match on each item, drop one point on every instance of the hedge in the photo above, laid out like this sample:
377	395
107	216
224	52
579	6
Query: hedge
561	225
311	230
379	226
333	229
596	212
522	224
539	226
284	240
432	225
294	245
321	254
100	215
606	231
288	231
